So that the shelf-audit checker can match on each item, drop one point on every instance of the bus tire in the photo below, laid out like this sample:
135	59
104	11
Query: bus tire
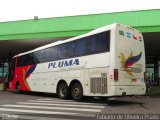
63	91
18	88
77	91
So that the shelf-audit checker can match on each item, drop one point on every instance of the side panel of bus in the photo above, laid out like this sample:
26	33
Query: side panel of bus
96	75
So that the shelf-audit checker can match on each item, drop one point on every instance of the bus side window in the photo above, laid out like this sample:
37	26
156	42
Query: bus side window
103	42
20	61
66	50
38	56
93	44
85	46
25	60
80	47
50	54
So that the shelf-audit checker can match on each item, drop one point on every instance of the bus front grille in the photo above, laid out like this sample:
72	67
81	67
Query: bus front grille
98	85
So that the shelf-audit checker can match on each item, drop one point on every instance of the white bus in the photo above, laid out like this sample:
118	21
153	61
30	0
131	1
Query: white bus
108	61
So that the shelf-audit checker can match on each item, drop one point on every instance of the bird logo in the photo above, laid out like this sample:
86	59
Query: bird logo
129	61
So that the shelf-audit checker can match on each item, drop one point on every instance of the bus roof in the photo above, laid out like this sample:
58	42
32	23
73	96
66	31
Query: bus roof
98	30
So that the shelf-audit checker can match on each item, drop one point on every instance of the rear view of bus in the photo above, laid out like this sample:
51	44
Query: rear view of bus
128	64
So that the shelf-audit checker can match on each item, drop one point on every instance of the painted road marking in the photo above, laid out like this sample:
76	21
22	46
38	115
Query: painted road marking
36	111
54	108
64	102
62	105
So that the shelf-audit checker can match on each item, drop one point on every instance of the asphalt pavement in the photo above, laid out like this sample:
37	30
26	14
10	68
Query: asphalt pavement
40	106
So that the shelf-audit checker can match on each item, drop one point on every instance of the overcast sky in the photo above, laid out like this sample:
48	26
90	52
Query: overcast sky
11	10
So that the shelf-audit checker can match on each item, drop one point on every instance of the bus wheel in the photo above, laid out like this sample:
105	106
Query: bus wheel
18	87
63	91
77	92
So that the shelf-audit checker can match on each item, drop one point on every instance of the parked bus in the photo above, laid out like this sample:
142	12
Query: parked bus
108	61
